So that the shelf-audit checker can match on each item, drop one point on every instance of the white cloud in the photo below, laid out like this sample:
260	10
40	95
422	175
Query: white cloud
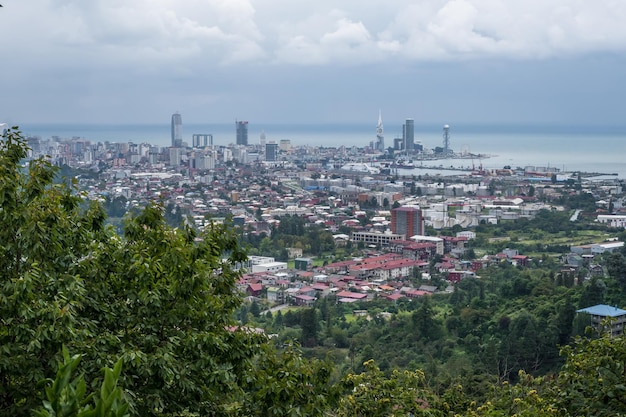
64	52
228	31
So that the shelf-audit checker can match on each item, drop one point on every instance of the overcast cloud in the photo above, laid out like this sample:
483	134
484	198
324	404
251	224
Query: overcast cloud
291	60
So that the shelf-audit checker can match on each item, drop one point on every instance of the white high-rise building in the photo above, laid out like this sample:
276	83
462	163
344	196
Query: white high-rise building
201	140
262	139
380	138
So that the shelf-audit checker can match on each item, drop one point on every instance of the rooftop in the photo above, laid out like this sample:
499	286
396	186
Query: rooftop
603	310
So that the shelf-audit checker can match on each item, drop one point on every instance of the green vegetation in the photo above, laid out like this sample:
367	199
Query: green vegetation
150	317
292	232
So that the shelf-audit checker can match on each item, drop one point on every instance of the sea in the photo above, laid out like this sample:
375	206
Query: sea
569	148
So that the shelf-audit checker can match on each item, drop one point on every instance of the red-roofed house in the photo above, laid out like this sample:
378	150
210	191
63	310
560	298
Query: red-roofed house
456	276
254	290
304	300
310	291
416	293
520	260
393	297
352	295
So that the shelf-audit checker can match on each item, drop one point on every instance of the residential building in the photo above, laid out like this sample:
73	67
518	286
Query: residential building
201	140
303	263
176	155
407	221
605	317
613	220
285	145
376	238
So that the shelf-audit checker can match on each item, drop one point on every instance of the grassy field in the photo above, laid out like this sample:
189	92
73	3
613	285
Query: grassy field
562	238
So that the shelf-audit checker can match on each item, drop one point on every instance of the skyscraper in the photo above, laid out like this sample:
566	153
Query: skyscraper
271	152
407	221
408	134
262	139
242	133
380	139
177	130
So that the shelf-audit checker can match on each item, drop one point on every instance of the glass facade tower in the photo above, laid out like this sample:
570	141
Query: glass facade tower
242	133
177	130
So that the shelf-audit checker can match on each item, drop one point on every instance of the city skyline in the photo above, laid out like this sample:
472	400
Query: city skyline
438	62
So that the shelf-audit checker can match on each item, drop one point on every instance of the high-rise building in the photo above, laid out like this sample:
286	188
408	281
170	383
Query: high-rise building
176	155
398	144
285	145
177	130
262	139
446	139
201	140
380	139
408	134
204	160
407	221
271	152
242	133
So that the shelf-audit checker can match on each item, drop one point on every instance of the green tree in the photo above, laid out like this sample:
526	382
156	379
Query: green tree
593	293
286	384
65	397
255	310
161	299
45	233
616	266
164	300
525	349
309	325
590	383
278	320
424	321
372	394
592	379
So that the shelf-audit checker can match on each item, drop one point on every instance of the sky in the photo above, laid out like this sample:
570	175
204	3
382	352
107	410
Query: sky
322	61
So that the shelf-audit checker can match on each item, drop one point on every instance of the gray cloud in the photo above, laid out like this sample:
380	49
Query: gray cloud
272	58
282	31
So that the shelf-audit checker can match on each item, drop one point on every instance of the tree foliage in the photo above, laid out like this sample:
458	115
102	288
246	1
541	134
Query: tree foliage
374	394
45	233
159	298
591	383
66	397
286	384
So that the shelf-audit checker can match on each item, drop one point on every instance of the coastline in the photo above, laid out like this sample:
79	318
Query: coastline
568	148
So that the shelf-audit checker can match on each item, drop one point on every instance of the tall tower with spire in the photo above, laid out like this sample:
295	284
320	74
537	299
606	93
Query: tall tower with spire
380	139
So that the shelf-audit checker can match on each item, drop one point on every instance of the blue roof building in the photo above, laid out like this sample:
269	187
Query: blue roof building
602	313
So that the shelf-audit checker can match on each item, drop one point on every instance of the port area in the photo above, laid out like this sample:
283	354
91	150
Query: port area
407	167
